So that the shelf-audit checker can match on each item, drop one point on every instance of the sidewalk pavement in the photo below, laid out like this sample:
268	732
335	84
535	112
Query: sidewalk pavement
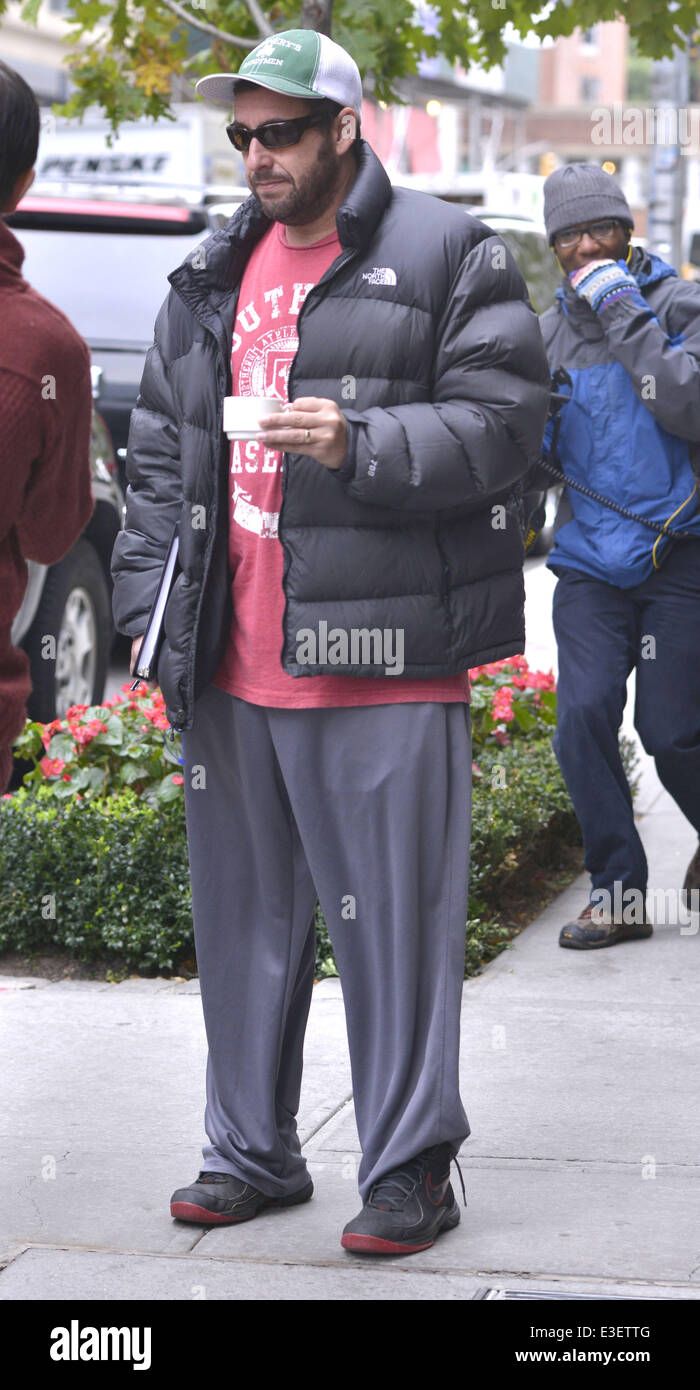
579	1077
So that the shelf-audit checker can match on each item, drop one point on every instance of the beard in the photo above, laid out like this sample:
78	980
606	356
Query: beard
308	197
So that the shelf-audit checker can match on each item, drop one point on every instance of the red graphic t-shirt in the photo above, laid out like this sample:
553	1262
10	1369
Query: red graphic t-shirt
275	283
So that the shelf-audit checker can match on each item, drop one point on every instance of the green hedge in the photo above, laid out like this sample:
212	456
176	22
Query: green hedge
108	878
97	878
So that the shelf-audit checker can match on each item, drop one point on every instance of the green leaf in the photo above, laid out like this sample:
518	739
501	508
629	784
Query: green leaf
524	718
168	790
133	772
29	12
95	777
114	735
62	746
171	752
28	744
63	791
120	22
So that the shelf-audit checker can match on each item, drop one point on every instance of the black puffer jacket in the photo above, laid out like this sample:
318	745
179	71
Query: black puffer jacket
422	332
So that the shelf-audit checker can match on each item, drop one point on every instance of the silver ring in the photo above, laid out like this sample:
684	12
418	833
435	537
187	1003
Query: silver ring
307	435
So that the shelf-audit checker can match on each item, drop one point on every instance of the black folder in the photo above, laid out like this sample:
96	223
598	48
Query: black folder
147	661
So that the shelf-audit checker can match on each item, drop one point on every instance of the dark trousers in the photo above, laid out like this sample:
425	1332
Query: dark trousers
603	633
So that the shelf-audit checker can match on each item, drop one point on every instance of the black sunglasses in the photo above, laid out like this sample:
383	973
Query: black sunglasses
274	135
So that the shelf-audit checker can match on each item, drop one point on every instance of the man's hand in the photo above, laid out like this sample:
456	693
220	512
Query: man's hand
601	283
135	645
327	438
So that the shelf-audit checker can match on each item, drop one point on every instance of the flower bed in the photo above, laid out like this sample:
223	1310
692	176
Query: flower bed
93	850
100	749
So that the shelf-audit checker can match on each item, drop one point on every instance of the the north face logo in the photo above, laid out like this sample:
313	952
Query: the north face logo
380	275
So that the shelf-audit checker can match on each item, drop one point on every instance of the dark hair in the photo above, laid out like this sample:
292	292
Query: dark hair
322	104
19	130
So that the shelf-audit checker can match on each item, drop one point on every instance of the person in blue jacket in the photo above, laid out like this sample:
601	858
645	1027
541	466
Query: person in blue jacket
626	329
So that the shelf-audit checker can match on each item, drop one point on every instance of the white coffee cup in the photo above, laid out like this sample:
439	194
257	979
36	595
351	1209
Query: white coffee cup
242	414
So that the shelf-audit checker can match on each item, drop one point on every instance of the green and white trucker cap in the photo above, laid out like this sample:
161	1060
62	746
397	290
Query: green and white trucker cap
298	62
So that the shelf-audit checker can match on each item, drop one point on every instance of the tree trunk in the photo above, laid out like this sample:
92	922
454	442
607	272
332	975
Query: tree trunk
317	14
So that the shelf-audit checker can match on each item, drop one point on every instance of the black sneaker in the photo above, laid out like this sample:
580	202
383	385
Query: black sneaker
220	1199
407	1208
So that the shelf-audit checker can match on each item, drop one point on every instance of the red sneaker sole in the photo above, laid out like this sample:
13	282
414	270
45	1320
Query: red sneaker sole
376	1245
188	1211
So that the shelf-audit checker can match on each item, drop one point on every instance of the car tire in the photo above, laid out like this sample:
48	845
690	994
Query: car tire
75	608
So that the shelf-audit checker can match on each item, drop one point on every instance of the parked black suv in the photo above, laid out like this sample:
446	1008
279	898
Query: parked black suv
103	254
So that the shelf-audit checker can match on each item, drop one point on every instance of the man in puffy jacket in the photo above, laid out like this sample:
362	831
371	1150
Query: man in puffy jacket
626	331
339	575
45	413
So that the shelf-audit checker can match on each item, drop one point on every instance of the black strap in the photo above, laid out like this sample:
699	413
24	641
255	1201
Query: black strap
562	378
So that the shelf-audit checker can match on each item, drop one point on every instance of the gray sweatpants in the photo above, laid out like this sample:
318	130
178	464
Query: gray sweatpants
369	809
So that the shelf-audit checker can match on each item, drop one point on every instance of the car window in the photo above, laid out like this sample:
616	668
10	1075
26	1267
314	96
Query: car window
536	264
110	284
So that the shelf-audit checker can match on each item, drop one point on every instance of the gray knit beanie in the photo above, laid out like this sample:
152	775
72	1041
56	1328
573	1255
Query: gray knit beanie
582	193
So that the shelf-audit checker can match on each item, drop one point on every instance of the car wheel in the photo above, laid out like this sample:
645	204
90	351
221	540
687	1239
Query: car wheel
75	610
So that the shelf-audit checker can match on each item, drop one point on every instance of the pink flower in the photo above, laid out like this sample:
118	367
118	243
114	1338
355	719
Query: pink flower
178	779
156	717
492	668
502	704
543	680
52	767
49	730
87	732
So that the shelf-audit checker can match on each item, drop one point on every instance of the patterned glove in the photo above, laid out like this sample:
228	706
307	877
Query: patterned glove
602	282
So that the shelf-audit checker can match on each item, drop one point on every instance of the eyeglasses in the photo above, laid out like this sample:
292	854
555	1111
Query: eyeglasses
600	231
274	135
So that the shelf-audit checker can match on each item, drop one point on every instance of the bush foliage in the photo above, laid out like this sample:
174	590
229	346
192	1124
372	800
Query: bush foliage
93	847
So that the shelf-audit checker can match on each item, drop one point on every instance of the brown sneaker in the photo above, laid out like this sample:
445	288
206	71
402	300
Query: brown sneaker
586	932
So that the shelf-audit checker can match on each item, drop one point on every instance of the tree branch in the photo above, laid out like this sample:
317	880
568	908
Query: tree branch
256	13
205	28
317	14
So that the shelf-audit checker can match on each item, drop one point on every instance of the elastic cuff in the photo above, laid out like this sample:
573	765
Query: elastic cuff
347	468
622	292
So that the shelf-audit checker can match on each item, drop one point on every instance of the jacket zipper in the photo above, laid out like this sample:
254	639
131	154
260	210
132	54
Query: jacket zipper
325	280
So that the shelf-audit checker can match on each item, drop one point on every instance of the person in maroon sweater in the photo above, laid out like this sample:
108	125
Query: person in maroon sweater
45	413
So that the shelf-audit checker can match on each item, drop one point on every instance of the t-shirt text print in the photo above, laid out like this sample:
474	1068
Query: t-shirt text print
276	281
